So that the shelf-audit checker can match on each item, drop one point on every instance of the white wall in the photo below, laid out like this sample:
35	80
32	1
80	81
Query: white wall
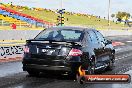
28	34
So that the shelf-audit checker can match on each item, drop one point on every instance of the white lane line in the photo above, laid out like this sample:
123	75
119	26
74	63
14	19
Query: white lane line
118	49
123	57
119	59
128	41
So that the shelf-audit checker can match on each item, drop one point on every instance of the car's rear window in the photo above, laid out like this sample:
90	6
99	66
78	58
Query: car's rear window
61	35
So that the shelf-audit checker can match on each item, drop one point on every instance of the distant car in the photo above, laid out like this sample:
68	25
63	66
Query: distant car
65	49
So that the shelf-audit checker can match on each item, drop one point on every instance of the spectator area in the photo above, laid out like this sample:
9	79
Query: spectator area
11	20
42	17
12	16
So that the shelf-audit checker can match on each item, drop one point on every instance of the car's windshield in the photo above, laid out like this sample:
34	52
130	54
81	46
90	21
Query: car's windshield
61	35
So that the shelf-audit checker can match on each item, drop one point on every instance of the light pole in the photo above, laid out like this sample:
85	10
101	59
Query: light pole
109	13
61	4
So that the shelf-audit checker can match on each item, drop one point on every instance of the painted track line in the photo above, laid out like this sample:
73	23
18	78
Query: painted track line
117	43
124	56
10	59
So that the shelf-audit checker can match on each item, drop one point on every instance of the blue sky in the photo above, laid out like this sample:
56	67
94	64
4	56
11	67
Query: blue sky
95	7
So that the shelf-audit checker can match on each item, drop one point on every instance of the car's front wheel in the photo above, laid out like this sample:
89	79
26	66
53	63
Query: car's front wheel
110	65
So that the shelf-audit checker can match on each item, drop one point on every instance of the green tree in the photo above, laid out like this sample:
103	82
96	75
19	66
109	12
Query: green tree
122	15
112	15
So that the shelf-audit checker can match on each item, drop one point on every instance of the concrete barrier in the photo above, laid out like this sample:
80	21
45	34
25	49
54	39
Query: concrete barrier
29	34
18	34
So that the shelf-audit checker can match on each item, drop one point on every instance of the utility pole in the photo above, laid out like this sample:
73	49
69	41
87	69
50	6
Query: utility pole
109	13
60	18
61	4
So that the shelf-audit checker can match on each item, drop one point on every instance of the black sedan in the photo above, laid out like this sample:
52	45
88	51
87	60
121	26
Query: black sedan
70	50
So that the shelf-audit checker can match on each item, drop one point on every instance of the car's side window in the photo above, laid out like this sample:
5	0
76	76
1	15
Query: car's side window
88	38
93	37
100	36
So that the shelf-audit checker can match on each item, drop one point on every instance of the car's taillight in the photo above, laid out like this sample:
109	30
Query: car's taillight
75	52
26	49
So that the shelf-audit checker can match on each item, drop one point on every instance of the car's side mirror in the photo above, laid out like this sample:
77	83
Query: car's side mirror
108	42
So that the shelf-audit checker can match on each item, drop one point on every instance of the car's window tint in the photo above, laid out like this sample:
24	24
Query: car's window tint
93	37
89	38
70	34
61	35
55	33
46	34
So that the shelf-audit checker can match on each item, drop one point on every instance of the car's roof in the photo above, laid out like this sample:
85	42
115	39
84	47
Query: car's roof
70	27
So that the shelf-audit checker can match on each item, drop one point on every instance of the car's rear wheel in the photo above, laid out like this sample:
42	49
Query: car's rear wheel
91	70
111	62
89	65
33	73
80	77
87	68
